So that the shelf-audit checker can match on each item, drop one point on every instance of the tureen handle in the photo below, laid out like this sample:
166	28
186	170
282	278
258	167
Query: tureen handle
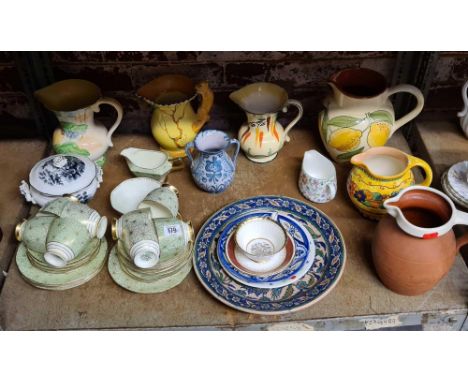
26	192
99	175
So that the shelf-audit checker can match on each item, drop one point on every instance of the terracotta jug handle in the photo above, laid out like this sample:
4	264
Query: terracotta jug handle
118	107
203	112
461	241
300	112
404	88
416	162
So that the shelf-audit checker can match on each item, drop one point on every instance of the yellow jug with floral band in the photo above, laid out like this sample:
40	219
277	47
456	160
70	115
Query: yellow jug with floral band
381	173
359	115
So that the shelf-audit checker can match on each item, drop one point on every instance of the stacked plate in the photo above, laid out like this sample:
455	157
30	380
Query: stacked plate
455	183
80	270
169	271
310	267
166	274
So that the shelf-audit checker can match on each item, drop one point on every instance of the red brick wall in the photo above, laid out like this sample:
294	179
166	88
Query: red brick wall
450	75
303	74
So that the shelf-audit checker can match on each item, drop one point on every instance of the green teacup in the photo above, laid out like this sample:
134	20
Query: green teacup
173	236
138	236
33	232
65	240
68	207
163	202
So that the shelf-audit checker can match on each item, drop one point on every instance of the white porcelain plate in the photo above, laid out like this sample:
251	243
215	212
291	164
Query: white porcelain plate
457	178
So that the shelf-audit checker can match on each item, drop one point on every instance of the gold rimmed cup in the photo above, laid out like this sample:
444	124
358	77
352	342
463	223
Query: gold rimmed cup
260	239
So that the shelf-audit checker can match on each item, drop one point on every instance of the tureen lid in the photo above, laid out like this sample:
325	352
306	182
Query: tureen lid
62	174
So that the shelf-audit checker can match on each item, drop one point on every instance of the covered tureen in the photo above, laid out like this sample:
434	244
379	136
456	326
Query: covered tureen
60	175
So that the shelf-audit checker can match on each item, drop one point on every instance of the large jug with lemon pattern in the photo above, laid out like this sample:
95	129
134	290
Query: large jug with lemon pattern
359	115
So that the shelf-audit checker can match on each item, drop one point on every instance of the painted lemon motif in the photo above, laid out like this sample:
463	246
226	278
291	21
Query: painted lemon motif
378	134
345	139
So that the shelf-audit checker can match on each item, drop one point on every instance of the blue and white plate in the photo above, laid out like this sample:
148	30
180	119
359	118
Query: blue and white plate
322	277
300	264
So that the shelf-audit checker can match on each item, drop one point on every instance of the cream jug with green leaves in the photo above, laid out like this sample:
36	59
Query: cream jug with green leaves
74	103
359	115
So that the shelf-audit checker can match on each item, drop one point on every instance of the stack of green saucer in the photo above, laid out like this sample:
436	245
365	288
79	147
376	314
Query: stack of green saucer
38	273
166	274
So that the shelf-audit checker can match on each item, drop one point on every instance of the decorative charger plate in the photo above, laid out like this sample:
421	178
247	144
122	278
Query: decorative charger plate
324	274
301	262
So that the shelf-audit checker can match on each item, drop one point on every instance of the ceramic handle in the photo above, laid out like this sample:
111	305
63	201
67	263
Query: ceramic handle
118	107
461	218
465	101
26	192
461	241
404	88
235	142
203	112
331	187
189	146
300	112
416	162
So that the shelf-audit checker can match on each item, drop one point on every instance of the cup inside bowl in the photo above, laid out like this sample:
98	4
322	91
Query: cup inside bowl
260	238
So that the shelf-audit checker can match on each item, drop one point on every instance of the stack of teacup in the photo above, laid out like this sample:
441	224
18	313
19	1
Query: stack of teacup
153	251
62	246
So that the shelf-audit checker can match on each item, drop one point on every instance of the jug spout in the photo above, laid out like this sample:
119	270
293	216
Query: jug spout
393	208
128	153
338	95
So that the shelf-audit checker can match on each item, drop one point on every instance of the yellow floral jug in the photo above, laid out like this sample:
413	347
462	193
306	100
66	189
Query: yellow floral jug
381	173
174	122
359	115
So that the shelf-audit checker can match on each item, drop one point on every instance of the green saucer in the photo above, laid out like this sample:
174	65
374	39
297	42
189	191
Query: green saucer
127	282
60	281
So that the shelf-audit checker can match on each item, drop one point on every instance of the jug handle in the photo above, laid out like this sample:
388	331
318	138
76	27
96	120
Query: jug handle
203	112
465	101
331	187
300	112
189	146
118	107
416	162
235	142
462	241
405	88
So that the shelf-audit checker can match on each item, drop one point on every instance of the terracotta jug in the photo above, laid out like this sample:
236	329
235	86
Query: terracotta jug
381	173
174	122
359	115
411	265
74	102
